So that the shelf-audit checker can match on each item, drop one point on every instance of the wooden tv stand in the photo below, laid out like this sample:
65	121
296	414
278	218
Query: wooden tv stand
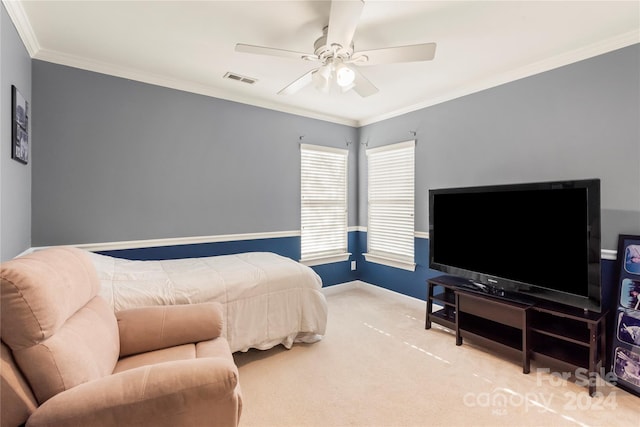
550	334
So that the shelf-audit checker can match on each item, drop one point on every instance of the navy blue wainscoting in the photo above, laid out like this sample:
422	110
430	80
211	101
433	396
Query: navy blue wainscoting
414	283
285	246
340	272
411	283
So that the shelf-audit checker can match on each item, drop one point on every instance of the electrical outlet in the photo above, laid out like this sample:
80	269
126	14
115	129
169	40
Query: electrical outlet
353	265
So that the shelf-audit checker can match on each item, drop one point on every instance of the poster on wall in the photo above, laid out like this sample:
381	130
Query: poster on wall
19	126
626	341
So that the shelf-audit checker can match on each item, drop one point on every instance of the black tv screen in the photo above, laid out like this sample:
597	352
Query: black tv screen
539	239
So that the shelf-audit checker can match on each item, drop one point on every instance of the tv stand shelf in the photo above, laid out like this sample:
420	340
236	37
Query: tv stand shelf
548	333
496	322
446	316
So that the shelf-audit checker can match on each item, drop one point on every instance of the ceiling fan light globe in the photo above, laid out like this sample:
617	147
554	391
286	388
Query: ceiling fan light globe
326	71
320	81
345	76
316	78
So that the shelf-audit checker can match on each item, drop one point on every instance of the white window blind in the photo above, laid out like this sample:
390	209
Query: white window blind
390	230
324	204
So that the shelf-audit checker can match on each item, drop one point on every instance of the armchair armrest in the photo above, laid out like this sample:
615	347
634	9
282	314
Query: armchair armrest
185	392
151	328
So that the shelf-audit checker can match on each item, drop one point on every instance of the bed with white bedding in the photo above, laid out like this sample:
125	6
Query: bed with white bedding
268	299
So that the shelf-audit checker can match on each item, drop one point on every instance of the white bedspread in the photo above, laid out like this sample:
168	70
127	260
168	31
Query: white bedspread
268	299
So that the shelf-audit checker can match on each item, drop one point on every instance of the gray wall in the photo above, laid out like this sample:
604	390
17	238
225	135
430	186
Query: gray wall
15	178
578	121
122	160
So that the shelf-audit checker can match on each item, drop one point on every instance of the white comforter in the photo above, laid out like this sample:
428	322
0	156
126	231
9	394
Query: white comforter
268	299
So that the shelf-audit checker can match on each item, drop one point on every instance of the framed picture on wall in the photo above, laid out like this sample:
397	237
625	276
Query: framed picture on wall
20	127
626	340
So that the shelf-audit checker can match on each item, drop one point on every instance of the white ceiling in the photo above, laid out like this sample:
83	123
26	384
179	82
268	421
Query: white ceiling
189	45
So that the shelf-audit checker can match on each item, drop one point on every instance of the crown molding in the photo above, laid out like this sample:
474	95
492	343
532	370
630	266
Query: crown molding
23	26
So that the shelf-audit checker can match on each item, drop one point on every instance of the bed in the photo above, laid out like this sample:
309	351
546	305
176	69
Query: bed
268	299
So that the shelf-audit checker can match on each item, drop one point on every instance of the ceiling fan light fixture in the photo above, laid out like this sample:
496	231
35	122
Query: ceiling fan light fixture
344	76
322	78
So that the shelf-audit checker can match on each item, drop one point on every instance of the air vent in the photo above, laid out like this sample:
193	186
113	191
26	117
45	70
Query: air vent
238	77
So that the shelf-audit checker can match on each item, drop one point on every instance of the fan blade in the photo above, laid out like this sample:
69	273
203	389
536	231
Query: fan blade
298	84
363	86
270	51
343	20
416	52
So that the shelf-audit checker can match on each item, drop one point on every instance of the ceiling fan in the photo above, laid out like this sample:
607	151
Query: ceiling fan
335	53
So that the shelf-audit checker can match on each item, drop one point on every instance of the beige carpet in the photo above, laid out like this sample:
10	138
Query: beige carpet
378	366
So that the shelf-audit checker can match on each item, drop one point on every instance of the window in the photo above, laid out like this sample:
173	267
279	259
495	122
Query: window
324	205
390	230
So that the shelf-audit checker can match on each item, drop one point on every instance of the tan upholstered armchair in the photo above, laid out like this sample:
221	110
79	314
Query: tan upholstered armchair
67	359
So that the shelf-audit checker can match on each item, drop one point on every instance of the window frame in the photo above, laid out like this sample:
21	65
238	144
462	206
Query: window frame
405	205
309	201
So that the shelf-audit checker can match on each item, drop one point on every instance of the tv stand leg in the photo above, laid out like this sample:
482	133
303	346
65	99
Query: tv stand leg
458	336
427	323
593	354
526	338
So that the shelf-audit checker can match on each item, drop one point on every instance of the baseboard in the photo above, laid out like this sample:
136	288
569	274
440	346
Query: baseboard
340	287
359	284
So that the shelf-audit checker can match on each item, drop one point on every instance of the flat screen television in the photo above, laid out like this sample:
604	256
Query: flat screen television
538	240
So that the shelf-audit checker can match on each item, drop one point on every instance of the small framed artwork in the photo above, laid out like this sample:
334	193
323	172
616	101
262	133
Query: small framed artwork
632	259
626	366
20	126
626	341
629	327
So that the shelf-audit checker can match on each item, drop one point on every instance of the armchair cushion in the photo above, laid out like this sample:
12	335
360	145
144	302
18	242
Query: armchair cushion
185	392
60	332
84	349
41	291
16	399
153	328
214	348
